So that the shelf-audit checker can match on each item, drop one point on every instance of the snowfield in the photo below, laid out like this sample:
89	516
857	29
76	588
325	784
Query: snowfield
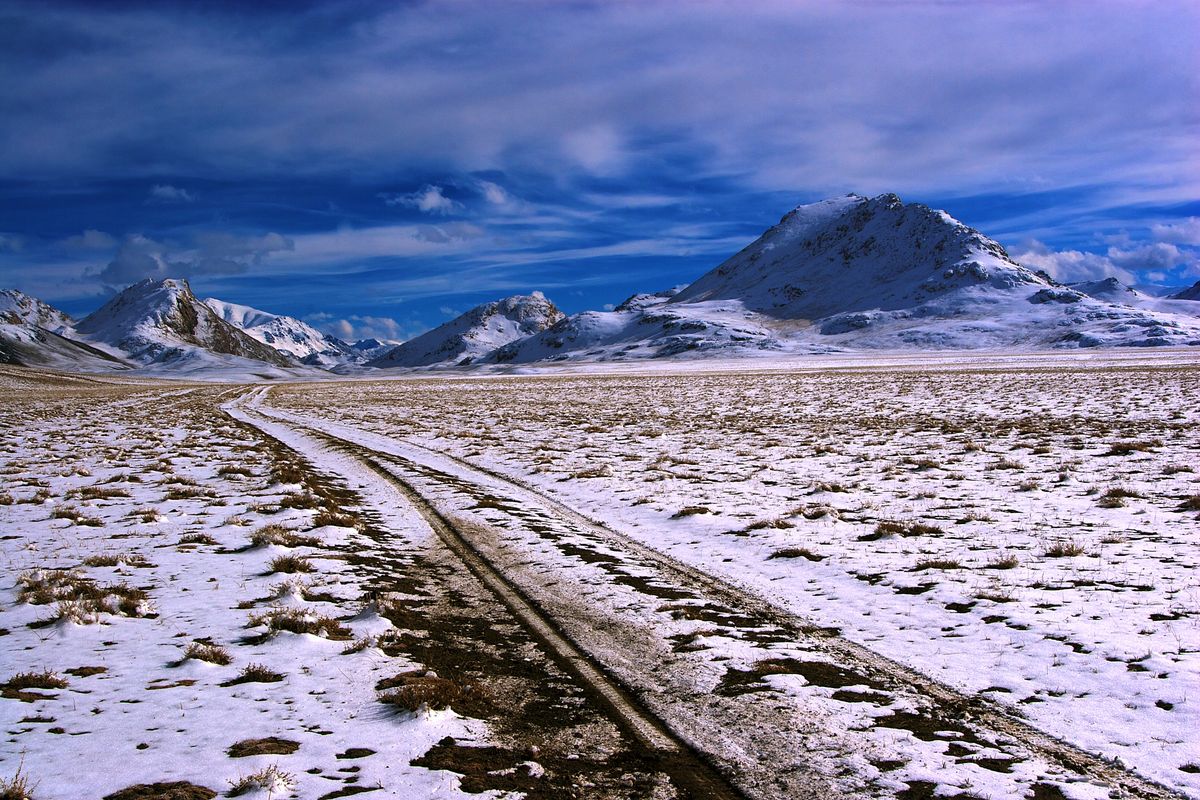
927	575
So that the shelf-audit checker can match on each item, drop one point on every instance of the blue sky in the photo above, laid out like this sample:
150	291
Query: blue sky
375	168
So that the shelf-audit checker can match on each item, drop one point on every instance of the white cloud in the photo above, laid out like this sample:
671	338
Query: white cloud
165	193
429	200
212	253
494	193
90	240
1156	256
1125	264
11	242
357	326
1186	232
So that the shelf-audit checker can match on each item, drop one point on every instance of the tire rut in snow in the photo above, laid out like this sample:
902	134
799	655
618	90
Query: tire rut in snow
561	728
942	710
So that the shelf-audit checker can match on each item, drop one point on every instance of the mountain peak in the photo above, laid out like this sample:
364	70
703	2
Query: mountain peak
853	254
159	321
18	308
476	333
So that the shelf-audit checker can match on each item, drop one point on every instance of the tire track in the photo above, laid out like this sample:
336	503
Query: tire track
950	704
688	771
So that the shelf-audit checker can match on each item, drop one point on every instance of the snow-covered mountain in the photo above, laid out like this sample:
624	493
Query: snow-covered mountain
850	273
288	334
475	334
33	333
369	349
856	273
162	323
1110	289
18	308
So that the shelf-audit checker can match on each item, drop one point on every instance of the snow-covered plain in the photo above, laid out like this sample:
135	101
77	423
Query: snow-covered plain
140	489
1019	527
1025	531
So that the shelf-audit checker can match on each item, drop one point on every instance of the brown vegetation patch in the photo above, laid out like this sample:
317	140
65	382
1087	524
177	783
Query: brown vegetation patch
270	746
174	790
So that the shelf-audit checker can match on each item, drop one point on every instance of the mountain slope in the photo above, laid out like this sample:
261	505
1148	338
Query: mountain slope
296	338
475	334
1190	293
18	308
163	323
35	334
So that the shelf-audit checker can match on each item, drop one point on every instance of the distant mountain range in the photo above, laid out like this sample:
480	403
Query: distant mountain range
161	327
850	273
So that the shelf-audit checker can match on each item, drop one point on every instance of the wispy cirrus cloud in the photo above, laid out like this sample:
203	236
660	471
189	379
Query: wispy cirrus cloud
428	199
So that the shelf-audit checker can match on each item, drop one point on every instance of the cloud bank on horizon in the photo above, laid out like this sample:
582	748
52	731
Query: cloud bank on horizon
399	162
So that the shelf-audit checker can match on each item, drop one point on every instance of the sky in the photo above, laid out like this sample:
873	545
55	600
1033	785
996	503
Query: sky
377	168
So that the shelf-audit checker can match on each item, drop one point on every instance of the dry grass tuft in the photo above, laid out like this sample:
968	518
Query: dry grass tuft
272	780
905	528
937	563
691	511
290	564
796	552
116	560
17	787
298	621
415	690
1190	503
278	535
1064	549
197	538
256	673
206	651
335	519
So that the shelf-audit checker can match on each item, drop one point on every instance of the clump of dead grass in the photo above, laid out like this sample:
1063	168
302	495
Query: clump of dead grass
116	560
904	528
691	511
1065	549
209	652
294	620
256	673
271	779
415	690
79	599
289	565
278	535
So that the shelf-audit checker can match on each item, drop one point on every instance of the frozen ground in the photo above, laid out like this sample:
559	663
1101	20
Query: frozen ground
1023	530
128	528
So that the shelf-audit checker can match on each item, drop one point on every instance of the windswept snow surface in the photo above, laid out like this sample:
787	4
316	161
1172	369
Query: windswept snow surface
1025	533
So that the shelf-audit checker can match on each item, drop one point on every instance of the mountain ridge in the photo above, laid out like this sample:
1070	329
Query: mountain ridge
843	274
163	322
